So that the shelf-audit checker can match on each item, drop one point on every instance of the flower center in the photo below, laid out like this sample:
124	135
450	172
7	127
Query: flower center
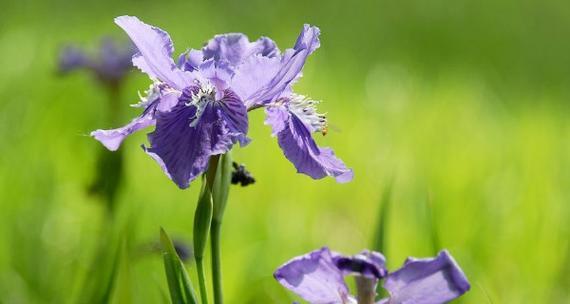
200	99
306	110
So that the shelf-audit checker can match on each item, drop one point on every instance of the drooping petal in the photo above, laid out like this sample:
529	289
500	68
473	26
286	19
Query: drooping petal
427	281
277	78
235	48
369	264
112	139
299	148
315	278
183	146
155	52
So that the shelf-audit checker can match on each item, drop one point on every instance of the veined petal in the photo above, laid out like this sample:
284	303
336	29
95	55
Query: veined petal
155	52
278	77
186	136
299	147
315	278
427	281
235	48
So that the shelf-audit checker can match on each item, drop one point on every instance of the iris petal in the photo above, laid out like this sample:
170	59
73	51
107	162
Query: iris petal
279	76
235	48
183	150
299	148
112	139
155	52
427	281
315	278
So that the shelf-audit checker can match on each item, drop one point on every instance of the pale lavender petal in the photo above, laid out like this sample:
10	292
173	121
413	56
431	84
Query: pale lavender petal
190	60
277	118
253	75
112	139
309	38
427	281
278	78
369	264
182	149
168	101
155	52
235	48
299	147
314	277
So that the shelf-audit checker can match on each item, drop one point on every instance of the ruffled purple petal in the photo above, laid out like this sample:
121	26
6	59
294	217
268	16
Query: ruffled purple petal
369	264
314	277
278	76
183	149
427	281
155	52
235	48
299	147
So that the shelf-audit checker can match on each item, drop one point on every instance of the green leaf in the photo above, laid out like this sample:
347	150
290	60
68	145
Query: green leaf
379	241
179	284
221	186
202	221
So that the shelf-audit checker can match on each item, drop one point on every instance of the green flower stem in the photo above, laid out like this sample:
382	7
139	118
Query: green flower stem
220	187
215	231
202	281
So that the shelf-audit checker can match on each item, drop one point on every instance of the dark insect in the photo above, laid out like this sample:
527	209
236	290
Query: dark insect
241	176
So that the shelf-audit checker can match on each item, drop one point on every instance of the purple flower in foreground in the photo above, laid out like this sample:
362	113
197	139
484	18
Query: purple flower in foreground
199	104
110	65
318	277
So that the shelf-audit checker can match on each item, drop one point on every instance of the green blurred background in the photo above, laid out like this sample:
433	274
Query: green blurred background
462	104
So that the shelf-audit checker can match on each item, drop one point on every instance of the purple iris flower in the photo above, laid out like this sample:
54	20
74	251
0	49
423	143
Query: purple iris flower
199	104
318	277
110	65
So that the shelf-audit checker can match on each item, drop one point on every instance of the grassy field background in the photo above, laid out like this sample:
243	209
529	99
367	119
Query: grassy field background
462	106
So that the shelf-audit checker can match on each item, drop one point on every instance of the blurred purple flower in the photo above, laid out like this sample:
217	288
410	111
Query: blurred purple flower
110	65
318	277
199	105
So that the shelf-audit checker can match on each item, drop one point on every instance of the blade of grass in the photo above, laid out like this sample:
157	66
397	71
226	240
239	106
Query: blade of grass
379	241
